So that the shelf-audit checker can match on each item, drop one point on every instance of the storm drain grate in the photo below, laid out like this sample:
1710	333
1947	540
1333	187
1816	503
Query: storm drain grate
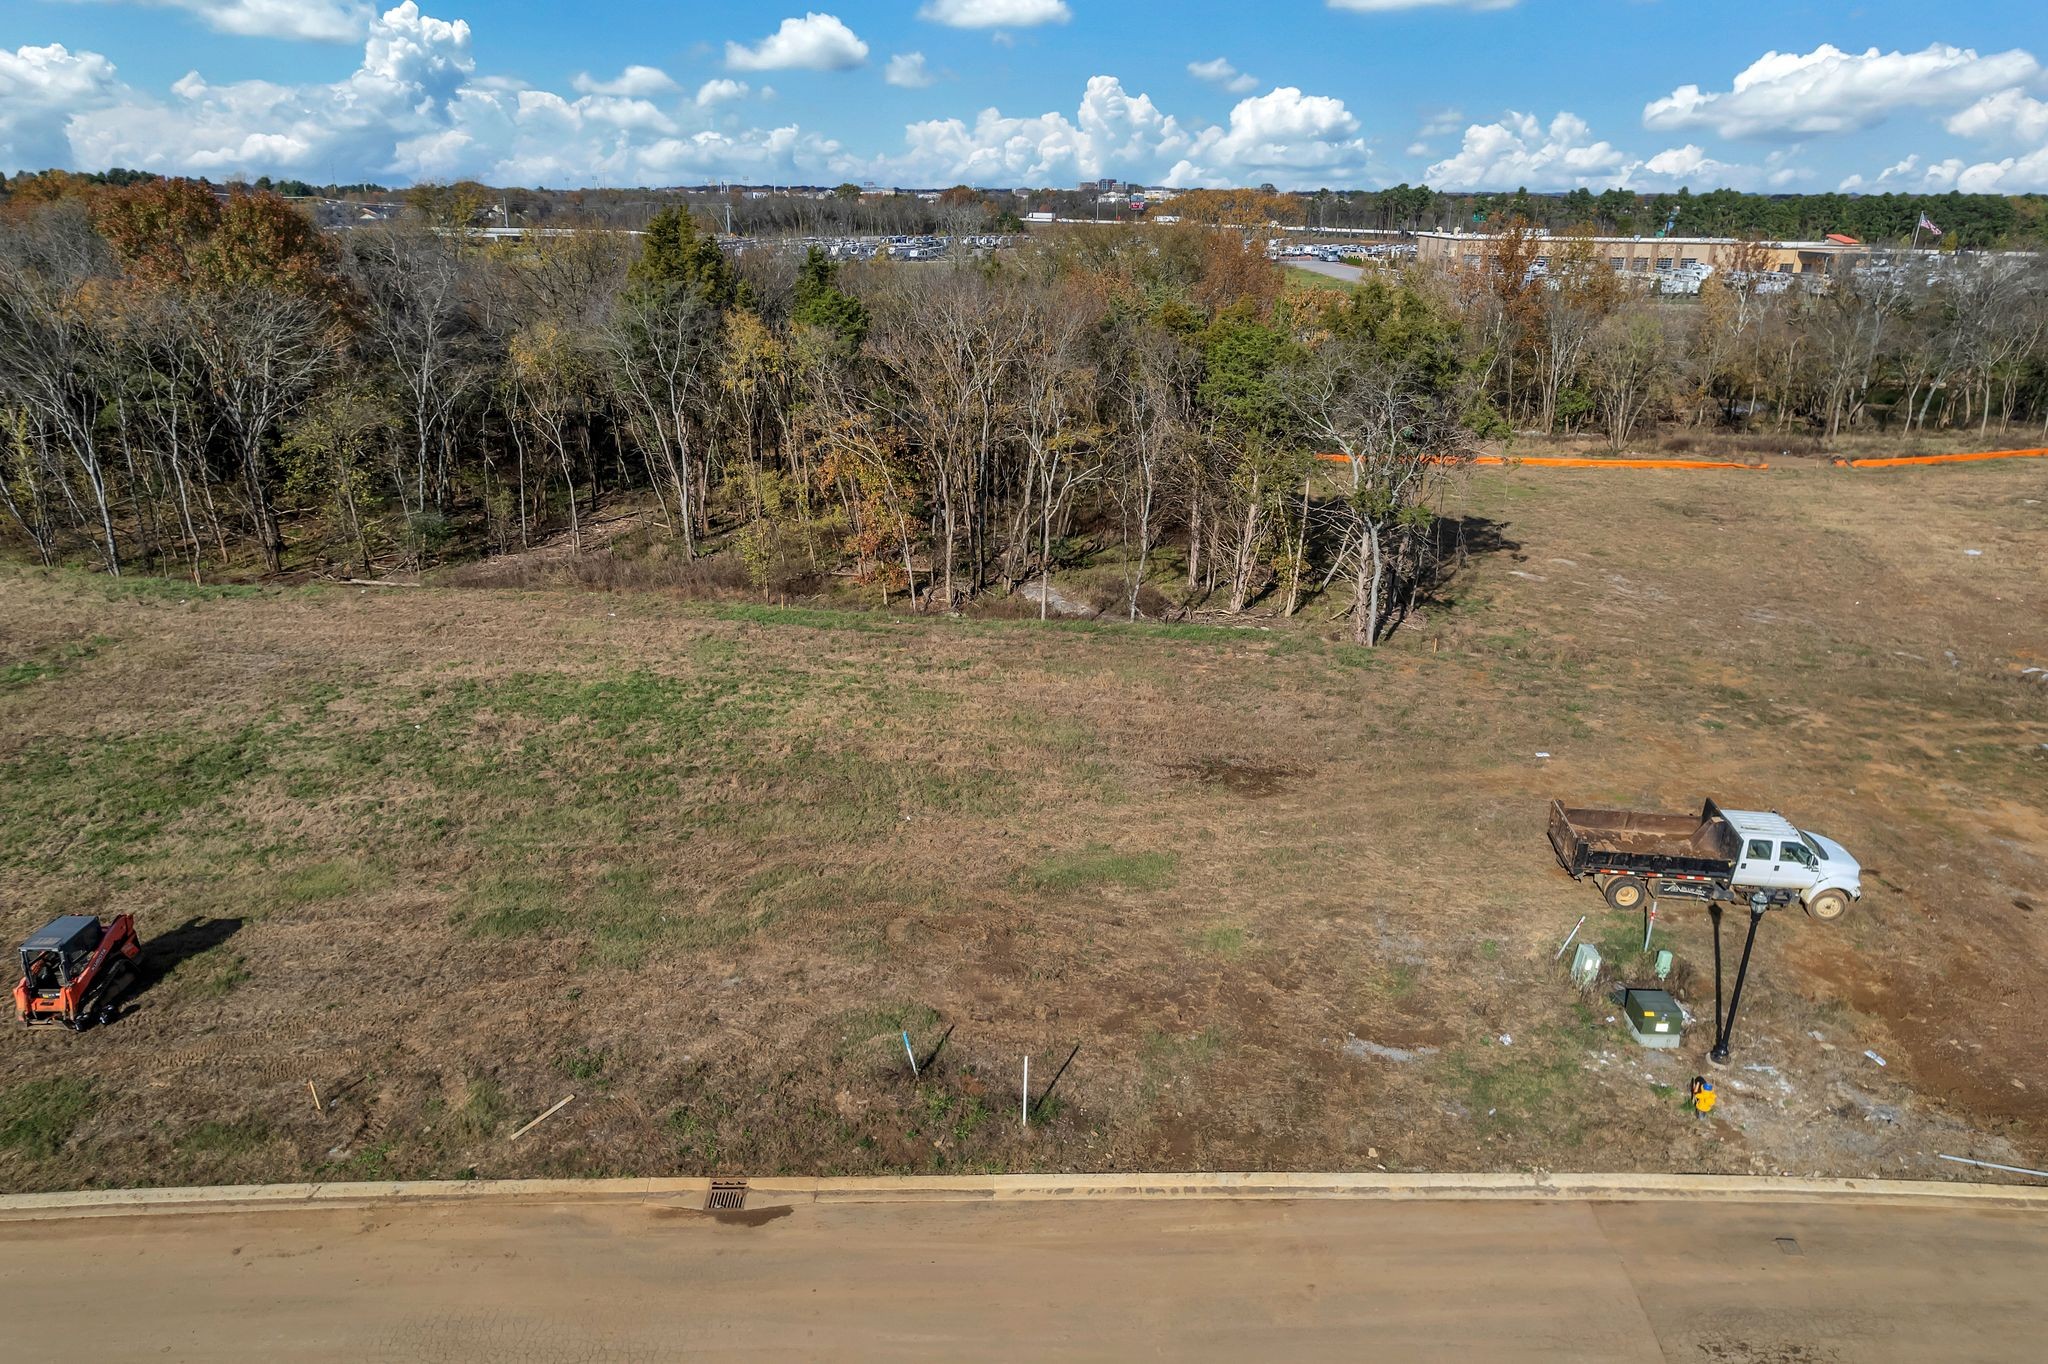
727	1195
1788	1245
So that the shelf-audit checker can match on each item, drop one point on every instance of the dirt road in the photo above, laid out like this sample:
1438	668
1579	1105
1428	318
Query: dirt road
1730	1282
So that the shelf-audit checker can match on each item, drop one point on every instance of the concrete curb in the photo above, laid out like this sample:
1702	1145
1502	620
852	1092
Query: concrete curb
1030	1188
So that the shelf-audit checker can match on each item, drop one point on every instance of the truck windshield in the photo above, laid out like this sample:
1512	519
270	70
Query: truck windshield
1813	845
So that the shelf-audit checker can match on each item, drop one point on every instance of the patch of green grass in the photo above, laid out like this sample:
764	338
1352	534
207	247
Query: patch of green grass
1063	734
628	917
1180	1052
954	1115
1401	977
324	881
826	794
236	1138
38	1116
1166	1057
694	1135
1065	873
213	974
1534	1086
52	663
483	1111
98	802
1619	936
1225	940
371	1163
132	588
881	1027
811	617
513	905
585	1065
1309	281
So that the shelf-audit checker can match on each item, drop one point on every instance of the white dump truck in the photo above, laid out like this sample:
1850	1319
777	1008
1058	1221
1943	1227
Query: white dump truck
1717	855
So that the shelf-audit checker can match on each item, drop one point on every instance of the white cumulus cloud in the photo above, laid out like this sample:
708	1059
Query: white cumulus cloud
320	21
816	42
633	81
1113	131
996	13
908	70
1522	151
41	88
1284	136
1829	90
2008	116
1222	73
720	91
2023	174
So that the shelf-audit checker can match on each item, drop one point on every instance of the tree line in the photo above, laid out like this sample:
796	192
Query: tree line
200	382
1976	222
1967	221
1568	346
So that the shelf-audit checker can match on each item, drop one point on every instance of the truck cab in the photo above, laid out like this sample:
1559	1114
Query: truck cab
1779	857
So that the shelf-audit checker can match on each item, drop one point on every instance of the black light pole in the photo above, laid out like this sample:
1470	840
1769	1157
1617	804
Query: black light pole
1714	909
1758	903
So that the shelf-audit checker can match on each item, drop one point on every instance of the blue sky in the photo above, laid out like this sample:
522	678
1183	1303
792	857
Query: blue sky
1463	94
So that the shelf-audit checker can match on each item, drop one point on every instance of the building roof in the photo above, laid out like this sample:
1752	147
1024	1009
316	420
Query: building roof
1843	239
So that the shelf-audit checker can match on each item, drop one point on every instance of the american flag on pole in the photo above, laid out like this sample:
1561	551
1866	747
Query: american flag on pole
1927	225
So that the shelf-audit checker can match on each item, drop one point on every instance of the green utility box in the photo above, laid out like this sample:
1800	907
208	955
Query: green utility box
1654	1018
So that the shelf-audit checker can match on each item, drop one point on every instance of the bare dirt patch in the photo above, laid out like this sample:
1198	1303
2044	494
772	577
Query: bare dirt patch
1240	778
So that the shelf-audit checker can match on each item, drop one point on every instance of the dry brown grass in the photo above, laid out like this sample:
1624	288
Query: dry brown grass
453	854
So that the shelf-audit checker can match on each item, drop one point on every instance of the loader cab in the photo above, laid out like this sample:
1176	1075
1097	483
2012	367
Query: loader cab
56	954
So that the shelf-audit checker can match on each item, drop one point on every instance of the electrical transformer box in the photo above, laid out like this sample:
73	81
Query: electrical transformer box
1654	1018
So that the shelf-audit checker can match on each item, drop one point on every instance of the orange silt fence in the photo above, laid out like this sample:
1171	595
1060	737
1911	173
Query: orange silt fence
1582	462
1906	461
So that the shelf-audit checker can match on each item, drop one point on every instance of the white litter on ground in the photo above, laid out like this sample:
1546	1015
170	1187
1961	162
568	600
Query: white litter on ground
1358	1049
1875	1057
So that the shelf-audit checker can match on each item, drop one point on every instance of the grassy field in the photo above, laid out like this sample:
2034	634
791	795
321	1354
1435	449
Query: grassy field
451	854
1300	280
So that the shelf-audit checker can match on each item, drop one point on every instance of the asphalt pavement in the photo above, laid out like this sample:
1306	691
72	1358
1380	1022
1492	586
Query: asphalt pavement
657	1278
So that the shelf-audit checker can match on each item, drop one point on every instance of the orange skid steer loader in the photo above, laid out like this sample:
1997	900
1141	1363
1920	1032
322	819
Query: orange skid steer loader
74	971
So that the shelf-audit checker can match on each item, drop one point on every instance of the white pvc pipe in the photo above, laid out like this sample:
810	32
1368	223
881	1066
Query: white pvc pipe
1987	1165
1024	1101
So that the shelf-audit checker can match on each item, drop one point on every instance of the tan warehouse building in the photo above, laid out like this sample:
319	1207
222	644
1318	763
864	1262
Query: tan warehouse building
1647	255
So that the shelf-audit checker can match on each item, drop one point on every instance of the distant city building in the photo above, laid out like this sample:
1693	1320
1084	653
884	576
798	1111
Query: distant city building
1652	255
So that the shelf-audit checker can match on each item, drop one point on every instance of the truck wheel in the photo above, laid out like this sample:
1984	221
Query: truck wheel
1829	905
1626	892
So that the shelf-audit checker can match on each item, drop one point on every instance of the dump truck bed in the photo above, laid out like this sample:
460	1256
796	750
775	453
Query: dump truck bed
1644	842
